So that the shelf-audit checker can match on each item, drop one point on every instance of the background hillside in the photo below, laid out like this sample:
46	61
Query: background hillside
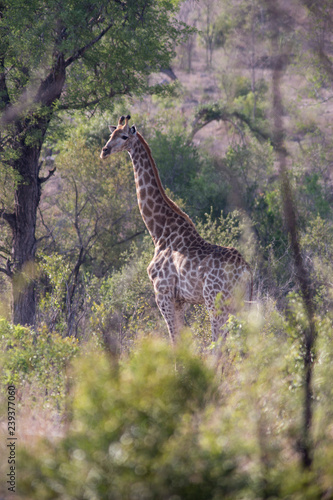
96	375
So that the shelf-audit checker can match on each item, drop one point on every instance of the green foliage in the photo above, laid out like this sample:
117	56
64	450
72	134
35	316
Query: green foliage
251	161
189	175
225	231
267	350
318	242
222	30
143	429
163	422
178	161
32	32
315	193
54	283
88	218
35	358
250	101
156	422
123	303
96	207
249	168
269	222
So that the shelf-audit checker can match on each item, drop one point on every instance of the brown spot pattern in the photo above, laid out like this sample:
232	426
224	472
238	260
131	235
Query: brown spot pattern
185	268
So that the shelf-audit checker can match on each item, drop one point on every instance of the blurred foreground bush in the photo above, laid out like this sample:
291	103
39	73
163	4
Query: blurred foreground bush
169	424
36	358
141	429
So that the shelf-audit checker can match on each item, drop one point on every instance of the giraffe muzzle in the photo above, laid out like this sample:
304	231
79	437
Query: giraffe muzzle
105	152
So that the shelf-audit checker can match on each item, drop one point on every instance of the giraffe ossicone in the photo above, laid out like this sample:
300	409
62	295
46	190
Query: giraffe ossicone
185	268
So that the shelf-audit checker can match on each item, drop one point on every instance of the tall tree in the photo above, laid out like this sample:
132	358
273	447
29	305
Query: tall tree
64	55
279	28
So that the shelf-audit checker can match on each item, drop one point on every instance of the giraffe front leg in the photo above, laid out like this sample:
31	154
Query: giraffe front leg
166	306
173	313
218	316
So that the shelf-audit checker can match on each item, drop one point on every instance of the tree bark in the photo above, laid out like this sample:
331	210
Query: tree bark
27	196
302	275
27	143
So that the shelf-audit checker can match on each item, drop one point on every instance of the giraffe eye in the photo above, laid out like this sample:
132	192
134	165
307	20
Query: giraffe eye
124	137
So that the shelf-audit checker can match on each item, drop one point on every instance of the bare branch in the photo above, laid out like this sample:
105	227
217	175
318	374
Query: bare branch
7	270
77	213
129	238
169	72
208	115
10	218
41	180
3	270
50	233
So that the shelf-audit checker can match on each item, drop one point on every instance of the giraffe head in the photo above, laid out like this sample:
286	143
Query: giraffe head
120	139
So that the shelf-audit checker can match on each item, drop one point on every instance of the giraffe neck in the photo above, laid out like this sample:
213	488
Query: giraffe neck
161	215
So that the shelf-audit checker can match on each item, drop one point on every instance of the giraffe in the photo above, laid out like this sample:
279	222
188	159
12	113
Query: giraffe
185	268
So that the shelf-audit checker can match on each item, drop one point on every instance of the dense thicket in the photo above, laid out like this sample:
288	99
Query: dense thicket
58	56
244	145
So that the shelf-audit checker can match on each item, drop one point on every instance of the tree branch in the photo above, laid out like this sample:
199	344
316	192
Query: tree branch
208	114
41	180
81	51
84	105
77	214
4	95
129	238
51	88
169	72
7	270
50	235
10	218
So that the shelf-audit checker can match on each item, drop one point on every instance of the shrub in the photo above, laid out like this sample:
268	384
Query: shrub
123	304
163	423
36	358
141	429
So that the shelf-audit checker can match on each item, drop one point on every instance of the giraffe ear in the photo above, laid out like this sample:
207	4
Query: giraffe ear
133	130
112	128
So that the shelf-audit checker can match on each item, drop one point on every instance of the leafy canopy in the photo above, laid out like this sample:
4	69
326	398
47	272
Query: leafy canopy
108	47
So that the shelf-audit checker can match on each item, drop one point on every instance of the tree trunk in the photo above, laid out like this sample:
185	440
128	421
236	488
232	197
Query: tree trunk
27	196
27	143
309	333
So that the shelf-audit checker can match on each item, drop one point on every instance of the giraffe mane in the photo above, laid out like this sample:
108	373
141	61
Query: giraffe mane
166	198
